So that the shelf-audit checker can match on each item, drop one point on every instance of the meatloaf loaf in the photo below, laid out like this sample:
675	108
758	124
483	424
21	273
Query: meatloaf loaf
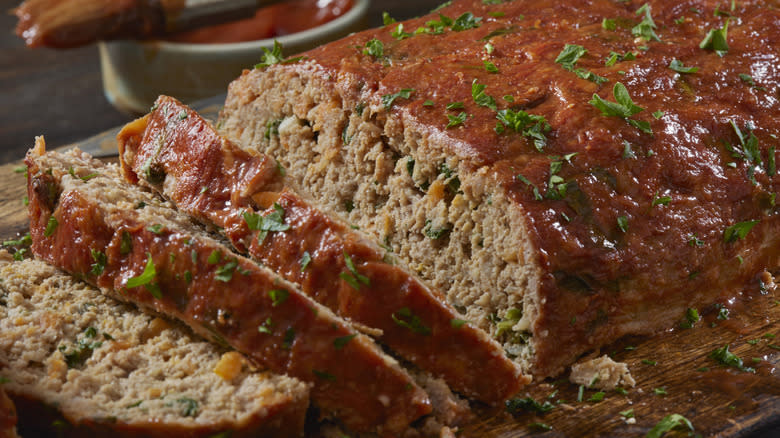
244	194
112	370
85	220
568	172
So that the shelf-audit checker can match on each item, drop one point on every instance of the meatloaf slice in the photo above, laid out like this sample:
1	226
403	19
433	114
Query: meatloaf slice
226	187
7	416
113	370
567	172
87	221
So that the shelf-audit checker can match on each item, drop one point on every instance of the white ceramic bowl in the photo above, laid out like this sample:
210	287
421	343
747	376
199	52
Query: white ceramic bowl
135	73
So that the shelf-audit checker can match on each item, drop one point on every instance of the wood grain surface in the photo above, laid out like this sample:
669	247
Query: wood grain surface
673	370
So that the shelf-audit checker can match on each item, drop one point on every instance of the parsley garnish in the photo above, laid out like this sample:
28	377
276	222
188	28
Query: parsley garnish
624	107
668	423
305	260
456	120
289	338
646	28
353	277
466	21
536	193
389	99
273	221
679	67
82	350
716	40
691	318
342	341
278	296
405	318
480	97
145	279
127	243
399	34
214	257
738	231
225	272
189	407
156	228
435	233
515	405
51	226
457	323
100	262
661	200
265	327
569	56
374	48
597	397
608	24
274	56
727	358
529	125
490	67
622	223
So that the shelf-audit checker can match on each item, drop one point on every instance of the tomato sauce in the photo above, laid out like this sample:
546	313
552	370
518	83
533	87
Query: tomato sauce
268	22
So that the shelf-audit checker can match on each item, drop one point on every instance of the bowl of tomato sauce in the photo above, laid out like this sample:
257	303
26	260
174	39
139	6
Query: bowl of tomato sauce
200	63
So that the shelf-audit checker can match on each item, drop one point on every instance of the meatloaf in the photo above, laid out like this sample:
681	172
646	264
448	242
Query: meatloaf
241	193
112	370
86	221
567	172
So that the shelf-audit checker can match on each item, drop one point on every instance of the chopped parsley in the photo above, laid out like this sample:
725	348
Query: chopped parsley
342	341
623	107
480	97
273	221
661	200
622	223
189	407
529	125
456	120
145	279
265	327
649	362
597	397
224	273
435	233
608	24
738	231
535	189
126	246
405	318
457	323
490	67
374	48
278	296
627	413
399	34
353	277
729	359
516	405
389	99
83	349
289	338
646	28
717	40
747	79
691	318
673	421
660	391
274	56
156	228
100	261
679	67
214	257
305	260
51	226
569	56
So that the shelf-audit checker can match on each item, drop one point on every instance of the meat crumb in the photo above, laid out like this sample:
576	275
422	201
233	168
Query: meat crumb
601	373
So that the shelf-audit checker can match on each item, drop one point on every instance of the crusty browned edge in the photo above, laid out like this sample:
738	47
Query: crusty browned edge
38	419
355	383
449	346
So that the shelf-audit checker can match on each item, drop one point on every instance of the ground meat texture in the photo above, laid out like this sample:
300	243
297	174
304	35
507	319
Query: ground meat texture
157	258
229	188
601	226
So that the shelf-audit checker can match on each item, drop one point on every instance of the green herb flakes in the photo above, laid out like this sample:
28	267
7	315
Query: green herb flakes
673	421
289	338
353	277
273	221
725	357
738	231
456	120
717	40
224	273
51	226
389	99
679	67
623	107
265	327
529	125
646	28
622	223
374	48
528	404
100	262
156	228
278	296
189	407
274	56
342	341
627	413
145	279
660	391
480	97
305	260
457	323
405	318
649	362
608	24
490	67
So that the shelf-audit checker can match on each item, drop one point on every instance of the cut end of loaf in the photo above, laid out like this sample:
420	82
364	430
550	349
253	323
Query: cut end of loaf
453	226
105	362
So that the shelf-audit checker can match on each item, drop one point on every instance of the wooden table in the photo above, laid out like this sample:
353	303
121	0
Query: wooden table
59	94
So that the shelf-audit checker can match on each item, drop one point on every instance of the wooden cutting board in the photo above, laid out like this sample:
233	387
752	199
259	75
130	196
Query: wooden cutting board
673	370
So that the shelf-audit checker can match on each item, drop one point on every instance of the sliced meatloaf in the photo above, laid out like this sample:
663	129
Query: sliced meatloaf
242	193
113	370
567	172
87	221
7	416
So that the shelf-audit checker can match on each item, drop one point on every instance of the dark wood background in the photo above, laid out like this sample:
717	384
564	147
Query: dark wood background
58	93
